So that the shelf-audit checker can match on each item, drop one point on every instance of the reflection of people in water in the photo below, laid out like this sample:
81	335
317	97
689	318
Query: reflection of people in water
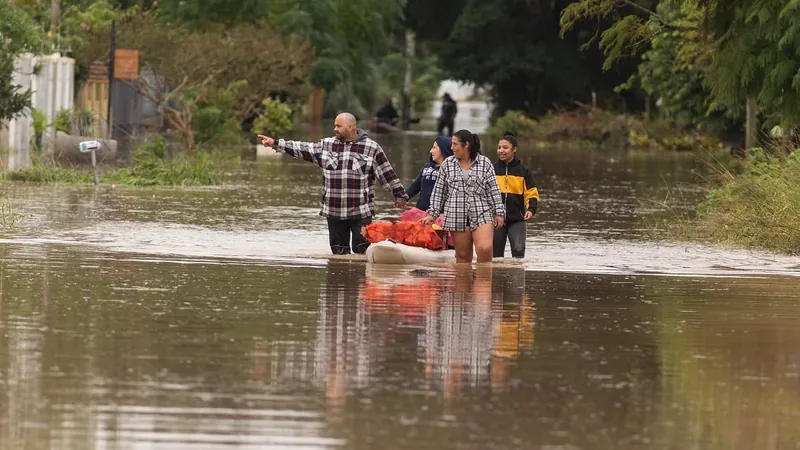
342	353
516	322
469	325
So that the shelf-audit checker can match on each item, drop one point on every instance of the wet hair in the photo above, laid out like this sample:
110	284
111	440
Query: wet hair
509	136
465	136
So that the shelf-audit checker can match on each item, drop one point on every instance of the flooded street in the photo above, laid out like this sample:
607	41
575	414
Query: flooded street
212	318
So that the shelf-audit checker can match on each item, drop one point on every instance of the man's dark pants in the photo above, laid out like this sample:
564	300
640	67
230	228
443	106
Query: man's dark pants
343	232
446	123
515	233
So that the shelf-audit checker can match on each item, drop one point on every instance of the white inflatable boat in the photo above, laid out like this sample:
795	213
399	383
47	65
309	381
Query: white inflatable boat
388	252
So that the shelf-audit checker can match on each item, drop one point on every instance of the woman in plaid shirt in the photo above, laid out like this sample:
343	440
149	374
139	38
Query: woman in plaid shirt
466	191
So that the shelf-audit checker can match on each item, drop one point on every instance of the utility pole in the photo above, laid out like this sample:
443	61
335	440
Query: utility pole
409	78
109	122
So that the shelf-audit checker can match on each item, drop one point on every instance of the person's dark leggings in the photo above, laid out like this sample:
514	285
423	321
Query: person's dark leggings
515	233
340	232
446	123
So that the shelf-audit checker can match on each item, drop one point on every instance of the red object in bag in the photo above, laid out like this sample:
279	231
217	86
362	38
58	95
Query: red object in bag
415	234
414	214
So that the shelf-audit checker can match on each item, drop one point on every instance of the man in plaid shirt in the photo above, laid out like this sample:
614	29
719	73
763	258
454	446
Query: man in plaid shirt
350	163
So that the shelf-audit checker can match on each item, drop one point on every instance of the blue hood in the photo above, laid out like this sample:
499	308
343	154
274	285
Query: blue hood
444	145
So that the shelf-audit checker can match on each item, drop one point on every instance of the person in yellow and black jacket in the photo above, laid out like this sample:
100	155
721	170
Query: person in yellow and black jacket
520	195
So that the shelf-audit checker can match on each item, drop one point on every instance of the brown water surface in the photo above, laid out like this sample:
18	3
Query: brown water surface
209	318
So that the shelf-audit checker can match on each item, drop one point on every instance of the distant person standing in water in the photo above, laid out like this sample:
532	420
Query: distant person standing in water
520	197
350	163
448	115
387	114
466	190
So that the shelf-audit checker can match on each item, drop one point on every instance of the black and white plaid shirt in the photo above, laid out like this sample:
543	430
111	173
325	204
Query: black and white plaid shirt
468	200
349	170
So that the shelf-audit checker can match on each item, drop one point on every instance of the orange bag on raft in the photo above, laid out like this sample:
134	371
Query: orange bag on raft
414	234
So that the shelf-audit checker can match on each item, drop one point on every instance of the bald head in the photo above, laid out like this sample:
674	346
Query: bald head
345	127
348	118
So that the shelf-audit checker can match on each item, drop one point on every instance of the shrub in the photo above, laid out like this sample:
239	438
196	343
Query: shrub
275	120
215	118
514	121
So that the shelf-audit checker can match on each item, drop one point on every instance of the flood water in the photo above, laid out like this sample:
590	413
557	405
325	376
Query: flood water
211	318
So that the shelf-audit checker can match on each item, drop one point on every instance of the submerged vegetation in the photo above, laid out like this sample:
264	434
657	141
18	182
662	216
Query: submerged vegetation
757	208
151	165
7	215
594	127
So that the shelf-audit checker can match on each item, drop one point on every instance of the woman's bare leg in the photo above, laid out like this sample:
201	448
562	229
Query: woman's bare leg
462	240
484	242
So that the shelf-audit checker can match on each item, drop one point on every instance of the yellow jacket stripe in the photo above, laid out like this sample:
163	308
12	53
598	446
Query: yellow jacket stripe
515	185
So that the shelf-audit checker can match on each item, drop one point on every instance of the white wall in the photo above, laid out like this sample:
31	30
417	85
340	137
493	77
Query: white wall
53	90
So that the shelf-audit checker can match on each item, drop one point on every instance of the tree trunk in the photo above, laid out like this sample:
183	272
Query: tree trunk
316	103
55	15
409	79
183	125
751	125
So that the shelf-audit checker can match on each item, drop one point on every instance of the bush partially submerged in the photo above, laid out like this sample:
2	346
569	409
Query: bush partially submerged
759	208
153	166
44	170
592	126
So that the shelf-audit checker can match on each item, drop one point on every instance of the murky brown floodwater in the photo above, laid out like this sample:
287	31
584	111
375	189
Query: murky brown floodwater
208	318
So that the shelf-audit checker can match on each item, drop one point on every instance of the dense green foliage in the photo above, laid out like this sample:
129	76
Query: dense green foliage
276	119
515	49
17	36
707	56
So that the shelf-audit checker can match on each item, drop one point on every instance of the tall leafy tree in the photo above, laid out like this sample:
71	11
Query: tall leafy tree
514	48
348	36
754	45
757	53
675	71
17	36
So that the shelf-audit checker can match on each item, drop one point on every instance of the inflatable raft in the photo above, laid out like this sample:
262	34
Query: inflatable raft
388	252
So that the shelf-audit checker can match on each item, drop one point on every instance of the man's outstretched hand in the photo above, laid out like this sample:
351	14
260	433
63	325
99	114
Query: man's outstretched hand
266	141
400	203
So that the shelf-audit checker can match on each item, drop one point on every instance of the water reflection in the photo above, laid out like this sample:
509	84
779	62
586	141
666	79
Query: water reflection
464	326
111	350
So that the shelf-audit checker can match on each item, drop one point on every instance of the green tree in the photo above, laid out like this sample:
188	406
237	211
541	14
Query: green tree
186	65
675	69
514	48
348	36
754	45
427	78
757	53
16	36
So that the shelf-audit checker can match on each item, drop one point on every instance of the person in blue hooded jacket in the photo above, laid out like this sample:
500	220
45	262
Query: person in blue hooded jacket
426	179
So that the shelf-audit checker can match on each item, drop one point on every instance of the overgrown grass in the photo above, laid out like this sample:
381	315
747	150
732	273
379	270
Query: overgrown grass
44	170
757	208
151	166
